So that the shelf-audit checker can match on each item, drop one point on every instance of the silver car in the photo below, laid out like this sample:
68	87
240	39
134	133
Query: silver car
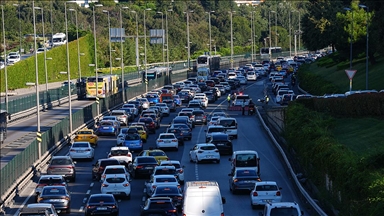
62	165
144	102
121	115
82	150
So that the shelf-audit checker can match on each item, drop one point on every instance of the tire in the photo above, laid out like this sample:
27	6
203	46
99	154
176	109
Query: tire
253	206
144	141
235	136
128	197
218	161
189	138
68	211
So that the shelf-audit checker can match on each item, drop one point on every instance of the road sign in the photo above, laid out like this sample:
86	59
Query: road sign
38	136
146	81
231	60
350	73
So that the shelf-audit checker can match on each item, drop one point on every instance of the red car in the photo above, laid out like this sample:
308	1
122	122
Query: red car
149	123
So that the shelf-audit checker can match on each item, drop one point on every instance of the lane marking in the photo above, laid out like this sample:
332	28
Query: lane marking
24	203
91	184
88	192
81	209
85	200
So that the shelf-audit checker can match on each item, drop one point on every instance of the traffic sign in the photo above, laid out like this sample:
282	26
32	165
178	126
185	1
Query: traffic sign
38	136
350	73
146	81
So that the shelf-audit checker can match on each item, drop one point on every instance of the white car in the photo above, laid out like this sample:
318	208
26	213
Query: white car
144	102
132	106
121	136
251	76
117	184
201	94
213	120
232	75
164	109
122	154
203	100
243	80
167	140
179	168
48	206
13	59
204	152
265	192
40	50
221	114
82	150
111	118
156	180
226	86
221	88
113	170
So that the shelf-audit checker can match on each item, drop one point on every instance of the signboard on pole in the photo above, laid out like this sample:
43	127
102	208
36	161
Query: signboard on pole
350	73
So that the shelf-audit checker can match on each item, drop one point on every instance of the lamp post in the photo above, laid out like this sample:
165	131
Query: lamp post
68	71
95	65
18	7
367	45
52	22
78	44
231	12
270	34
275	31
350	49
188	41
299	28
210	32
45	53
166	29
109	40
252	37
290	33
37	79
122	53
5	60
137	43
145	51
162	27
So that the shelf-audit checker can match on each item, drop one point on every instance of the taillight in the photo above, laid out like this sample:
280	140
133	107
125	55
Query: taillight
154	186
104	176
66	198
112	206
255	194
139	167
104	185
87	149
181	171
159	140
41	185
174	140
222	214
72	150
129	155
278	193
235	180
216	150
126	185
172	211
91	207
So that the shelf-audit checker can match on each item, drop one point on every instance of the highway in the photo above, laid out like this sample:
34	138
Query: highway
251	136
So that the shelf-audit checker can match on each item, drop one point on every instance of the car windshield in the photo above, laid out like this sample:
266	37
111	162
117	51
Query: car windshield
146	160
165	171
119	152
61	162
212	130
80	145
50	181
246	160
228	123
109	118
284	211
105	163
101	199
165	180
156	153
53	191
181	126
266	188
115	180
85	132
207	147
115	171
167	190
132	137
161	205
106	124
169	136
241	173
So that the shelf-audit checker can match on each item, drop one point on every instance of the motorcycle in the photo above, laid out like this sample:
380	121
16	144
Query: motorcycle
251	110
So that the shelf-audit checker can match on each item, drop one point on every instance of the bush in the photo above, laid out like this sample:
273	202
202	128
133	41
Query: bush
315	84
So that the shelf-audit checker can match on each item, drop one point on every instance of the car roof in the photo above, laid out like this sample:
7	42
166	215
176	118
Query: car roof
165	167
164	176
61	157
170	162
205	144
115	166
166	134
265	182
51	176
216	126
119	148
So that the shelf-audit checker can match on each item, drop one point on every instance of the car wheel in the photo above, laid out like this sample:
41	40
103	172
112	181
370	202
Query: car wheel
68	211
190	159
144	140
73	179
128	197
218	161
253	206
177	148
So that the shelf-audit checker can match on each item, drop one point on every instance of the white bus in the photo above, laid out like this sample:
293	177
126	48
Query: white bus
211	62
59	39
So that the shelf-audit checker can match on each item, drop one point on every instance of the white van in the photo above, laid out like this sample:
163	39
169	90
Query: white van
245	158
282	208
202	198
230	124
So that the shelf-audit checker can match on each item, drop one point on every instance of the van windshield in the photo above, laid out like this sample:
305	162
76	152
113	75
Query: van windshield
212	130
228	123
284	211
246	160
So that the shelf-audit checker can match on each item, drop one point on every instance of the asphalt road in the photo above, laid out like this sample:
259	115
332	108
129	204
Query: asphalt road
251	136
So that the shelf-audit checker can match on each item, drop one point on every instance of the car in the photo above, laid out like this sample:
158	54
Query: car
203	100
178	134
132	106
155	118
167	140
100	165
108	127
286	208
177	100
165	110
172	191
118	185
144	103
142	165
265	192
243	80
13	58
240	99
204	152
82	150
245	158
158	154
213	129
49	207
184	96
157	206
222	142
141	130
98	204
41	50
221	89
133	142
199	117
86	135
221	114
149	123
196	104
42	211
137	104
178	167
212	97
121	115
251	76
122	154
226	86
185	130
56	195
121	136
165	170
112	170
49	180
243	179
62	165
157	180
213	120
171	104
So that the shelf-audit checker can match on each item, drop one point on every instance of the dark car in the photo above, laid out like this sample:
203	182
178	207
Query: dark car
185	129
171	104
155	118
49	180
58	196
177	87
149	123
215	80
142	165
153	98
130	112
183	120
137	104
199	117
62	165
184	96
158	206
232	84
237	82
211	97
243	179
222	142
202	86
101	204
178	133
210	83
171	191
99	166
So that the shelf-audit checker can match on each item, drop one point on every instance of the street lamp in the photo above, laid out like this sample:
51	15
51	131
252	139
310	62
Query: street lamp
162	27
367	45
252	34
122	53
95	65
188	41
276	31
37	78
68	71
109	40
166	29
18	7
145	51
270	34
350	50
210	34
231	12
5	60
137	43
78	43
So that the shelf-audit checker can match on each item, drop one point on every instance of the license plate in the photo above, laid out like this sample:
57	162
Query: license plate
105	127
80	151
116	193
267	200
167	141
220	144
101	208
148	167
84	137
54	200
209	156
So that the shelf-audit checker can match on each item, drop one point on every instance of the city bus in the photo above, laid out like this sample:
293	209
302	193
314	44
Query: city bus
106	85
266	50
207	61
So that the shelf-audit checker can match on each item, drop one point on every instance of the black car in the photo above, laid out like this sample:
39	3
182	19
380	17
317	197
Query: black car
185	129
101	204
178	133
142	165
211	96
184	96
232	84
237	82
172	191
199	117
129	111
149	123
216	80
222	142
99	166
158	206
56	195
138	105
170	104
202	86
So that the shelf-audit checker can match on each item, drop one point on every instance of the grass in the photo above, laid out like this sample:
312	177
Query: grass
338	76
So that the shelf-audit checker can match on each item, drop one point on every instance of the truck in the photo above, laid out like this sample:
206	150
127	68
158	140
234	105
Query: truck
59	39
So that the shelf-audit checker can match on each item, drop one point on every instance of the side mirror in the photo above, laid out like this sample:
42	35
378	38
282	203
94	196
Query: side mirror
230	174
74	162
205	130
93	165
302	213
223	200
229	159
